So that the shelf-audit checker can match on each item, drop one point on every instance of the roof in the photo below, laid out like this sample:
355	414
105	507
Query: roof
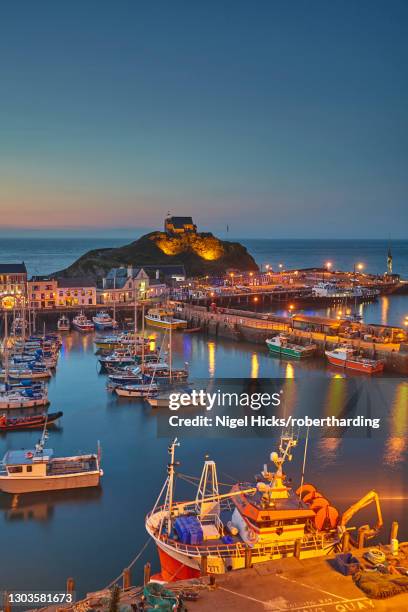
180	222
165	270
19	457
13	268
117	277
77	281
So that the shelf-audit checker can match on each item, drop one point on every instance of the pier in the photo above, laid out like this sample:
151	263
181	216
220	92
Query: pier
325	333
298	585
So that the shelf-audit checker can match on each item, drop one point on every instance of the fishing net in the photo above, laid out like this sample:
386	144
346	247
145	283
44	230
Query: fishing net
380	586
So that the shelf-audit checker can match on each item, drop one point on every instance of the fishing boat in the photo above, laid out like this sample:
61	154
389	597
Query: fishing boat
102	320
63	324
82	324
280	345
163	317
136	390
29	471
36	421
252	523
346	357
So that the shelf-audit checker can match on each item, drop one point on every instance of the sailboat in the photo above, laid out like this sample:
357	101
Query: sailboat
21	395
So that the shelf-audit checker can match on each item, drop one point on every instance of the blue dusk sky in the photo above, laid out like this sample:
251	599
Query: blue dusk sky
280	119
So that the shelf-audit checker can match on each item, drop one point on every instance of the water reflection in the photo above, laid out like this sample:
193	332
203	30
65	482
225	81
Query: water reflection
396	444
254	366
211	359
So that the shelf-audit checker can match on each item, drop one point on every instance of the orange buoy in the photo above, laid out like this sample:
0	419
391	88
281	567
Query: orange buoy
319	502
311	496
326	518
305	490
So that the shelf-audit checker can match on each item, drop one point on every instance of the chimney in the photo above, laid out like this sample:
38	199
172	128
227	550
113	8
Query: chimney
129	271
104	282
157	274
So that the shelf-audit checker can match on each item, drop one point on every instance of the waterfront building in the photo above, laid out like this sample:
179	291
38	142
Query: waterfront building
42	292
167	273
123	284
79	291
13	279
179	225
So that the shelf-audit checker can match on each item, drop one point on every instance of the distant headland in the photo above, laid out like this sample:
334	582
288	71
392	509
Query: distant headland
200	253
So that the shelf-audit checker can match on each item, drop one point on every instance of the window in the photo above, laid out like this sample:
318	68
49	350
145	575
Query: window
29	468
15	469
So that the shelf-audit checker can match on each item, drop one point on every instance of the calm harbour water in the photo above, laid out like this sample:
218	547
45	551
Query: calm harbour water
93	534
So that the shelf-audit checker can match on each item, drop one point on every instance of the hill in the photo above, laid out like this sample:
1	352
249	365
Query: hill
200	253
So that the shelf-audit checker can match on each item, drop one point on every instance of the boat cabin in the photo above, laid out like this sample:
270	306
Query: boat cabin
26	464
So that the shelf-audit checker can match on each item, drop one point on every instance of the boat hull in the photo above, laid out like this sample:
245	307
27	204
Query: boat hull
49	483
355	365
7	405
165	324
289	352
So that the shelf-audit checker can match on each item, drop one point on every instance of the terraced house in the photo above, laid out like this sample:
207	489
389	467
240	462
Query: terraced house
13	279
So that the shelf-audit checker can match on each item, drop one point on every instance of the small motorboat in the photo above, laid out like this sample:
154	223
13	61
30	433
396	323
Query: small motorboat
23	397
28	422
104	321
82	324
63	324
140	390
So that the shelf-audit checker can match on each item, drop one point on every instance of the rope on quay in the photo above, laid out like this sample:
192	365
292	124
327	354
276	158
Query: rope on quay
139	554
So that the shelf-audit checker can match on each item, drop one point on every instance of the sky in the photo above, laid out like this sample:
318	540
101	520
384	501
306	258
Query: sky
280	119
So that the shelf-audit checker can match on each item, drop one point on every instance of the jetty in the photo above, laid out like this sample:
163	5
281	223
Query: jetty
378	341
288	584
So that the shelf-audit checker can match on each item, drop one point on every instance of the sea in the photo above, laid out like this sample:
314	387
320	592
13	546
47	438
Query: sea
48	255
92	534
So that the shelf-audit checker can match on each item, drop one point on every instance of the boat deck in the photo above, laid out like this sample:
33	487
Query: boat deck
58	467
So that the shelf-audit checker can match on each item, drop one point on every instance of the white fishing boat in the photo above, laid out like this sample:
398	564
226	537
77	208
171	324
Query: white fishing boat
63	324
29	471
102	320
82	324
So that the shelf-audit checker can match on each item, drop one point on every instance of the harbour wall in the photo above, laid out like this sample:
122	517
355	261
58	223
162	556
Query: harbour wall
250	327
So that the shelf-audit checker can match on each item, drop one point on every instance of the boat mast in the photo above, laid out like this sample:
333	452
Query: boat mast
304	465
6	360
170	490
143	336
171	349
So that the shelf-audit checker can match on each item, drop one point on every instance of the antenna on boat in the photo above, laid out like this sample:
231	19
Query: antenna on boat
304	465
170	489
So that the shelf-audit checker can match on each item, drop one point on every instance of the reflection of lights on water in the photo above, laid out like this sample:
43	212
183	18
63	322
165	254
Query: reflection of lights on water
335	401
385	305
290	371
396	444
211	358
254	366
